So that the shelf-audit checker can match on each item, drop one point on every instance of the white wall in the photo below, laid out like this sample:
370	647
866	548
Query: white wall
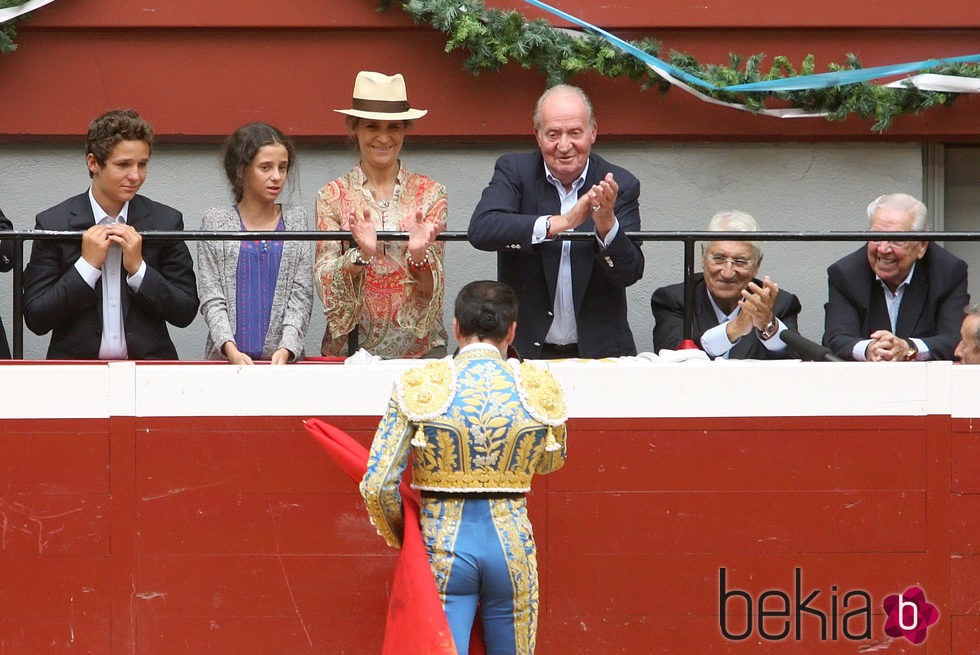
643	389
791	186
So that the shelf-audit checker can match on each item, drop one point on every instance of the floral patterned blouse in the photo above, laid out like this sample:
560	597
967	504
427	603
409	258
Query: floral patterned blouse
394	320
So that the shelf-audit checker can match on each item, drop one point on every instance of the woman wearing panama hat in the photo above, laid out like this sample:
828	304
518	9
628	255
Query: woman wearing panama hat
388	293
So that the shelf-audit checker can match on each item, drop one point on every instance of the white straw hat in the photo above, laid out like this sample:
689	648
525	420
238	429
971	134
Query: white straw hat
381	97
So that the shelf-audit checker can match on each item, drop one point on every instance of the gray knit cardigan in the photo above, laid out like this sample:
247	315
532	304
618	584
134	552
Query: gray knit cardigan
217	264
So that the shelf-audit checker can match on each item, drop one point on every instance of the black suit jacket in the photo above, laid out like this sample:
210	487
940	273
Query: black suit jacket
503	221
668	313
6	263
931	310
58	300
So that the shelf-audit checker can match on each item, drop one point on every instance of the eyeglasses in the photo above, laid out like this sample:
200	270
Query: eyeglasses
893	244
738	263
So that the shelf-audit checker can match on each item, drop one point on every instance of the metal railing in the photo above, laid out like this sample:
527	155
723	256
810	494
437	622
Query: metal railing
688	239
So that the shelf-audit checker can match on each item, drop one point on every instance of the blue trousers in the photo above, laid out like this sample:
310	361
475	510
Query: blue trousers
482	555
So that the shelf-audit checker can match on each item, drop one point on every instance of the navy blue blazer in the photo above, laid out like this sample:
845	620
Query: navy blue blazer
58	300
931	310
503	221
667	304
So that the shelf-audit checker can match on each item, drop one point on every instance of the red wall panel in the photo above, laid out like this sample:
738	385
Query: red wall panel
743	521
53	462
966	525
622	15
965	533
236	534
966	464
796	454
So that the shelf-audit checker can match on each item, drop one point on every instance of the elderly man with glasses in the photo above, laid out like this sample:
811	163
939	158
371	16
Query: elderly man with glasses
896	300
968	349
736	315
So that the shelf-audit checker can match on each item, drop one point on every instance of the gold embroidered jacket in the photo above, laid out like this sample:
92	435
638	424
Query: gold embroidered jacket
473	423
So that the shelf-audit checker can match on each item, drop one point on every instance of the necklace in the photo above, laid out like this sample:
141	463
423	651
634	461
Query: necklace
384	200
262	243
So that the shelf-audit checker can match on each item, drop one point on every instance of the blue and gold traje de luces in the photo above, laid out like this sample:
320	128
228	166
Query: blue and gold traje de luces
483	426
473	423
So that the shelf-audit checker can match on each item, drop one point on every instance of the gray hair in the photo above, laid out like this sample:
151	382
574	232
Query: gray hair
974	310
563	88
908	205
735	221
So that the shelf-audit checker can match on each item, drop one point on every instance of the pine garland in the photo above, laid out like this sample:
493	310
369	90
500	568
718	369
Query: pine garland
494	37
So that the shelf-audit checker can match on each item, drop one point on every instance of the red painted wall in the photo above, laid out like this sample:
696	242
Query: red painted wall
237	535
198	70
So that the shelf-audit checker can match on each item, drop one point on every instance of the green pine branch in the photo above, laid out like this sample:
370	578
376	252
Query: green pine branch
7	30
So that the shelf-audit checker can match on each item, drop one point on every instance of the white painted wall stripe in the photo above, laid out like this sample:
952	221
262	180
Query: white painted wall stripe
594	389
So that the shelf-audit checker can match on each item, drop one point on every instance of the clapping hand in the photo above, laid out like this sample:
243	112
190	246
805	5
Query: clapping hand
422	234
603	196
755	309
364	233
757	302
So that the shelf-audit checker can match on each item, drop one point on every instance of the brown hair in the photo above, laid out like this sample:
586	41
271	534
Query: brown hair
112	127
242	146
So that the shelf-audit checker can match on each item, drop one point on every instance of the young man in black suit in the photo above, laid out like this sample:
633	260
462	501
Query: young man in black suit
109	295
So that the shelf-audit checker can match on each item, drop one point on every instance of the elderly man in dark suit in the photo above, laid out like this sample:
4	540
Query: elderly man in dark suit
896	300
572	293
110	296
736	315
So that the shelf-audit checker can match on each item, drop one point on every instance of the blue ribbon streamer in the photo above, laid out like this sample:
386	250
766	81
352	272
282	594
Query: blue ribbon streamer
797	83
627	47
850	76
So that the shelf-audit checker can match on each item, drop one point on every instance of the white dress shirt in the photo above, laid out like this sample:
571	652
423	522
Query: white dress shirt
113	344
564	329
716	343
893	302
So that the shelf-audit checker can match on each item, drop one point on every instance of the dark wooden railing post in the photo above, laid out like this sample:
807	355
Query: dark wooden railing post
688	291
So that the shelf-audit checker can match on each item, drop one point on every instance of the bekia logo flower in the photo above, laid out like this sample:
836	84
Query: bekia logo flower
909	615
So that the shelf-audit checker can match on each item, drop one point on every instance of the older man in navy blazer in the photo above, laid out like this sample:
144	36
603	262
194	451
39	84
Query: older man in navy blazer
572	293
896	300
110	296
736	315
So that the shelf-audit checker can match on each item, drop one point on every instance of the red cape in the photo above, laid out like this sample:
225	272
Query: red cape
416	623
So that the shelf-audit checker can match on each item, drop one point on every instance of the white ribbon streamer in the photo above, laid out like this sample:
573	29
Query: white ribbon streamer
941	83
11	13
778	113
